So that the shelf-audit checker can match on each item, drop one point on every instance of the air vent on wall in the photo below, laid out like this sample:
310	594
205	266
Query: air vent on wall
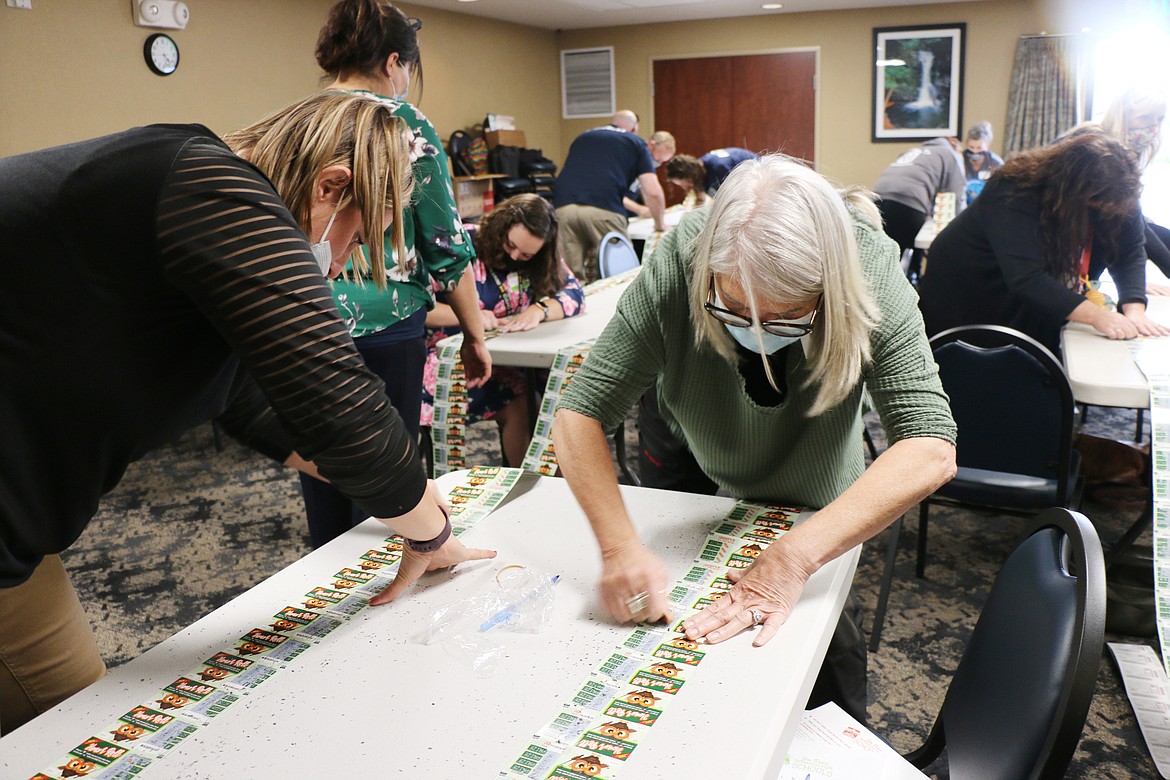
587	83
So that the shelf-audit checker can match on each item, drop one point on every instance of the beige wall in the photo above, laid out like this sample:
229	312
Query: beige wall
74	69
845	40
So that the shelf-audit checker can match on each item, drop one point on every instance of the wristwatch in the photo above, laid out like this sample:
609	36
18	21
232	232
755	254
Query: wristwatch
544	306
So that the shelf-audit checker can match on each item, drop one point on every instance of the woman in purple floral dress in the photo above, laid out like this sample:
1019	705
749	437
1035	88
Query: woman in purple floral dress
522	282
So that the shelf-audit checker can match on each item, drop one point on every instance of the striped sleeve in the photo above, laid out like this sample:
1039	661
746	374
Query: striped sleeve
227	240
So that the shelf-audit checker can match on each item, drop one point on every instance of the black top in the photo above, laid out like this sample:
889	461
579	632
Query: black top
141	270
986	268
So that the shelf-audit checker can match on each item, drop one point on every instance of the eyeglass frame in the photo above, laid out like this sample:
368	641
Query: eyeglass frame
787	328
414	23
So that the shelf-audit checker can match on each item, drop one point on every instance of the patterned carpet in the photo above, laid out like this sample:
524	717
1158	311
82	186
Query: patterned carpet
189	528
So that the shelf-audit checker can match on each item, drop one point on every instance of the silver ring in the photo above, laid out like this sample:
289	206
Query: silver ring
638	604
757	616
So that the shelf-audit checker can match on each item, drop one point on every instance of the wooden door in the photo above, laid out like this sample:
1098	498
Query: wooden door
762	102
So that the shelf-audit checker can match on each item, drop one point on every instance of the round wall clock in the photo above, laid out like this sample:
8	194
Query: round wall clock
161	53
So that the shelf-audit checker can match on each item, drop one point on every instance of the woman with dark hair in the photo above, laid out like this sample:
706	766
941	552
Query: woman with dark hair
522	281
1024	253
689	175
369	46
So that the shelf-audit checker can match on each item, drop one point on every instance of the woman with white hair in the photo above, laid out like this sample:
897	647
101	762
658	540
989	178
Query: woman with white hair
761	321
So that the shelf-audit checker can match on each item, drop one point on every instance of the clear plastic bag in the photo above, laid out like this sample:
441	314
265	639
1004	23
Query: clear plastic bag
516	599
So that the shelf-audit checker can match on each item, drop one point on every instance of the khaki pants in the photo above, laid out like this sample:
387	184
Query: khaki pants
581	230
47	648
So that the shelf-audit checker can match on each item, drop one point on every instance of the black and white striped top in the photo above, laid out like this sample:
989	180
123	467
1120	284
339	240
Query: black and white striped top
154	281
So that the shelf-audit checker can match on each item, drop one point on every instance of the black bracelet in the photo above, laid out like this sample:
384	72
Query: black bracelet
541	303
430	545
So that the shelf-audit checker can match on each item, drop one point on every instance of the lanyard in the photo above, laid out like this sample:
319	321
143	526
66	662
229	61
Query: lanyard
505	293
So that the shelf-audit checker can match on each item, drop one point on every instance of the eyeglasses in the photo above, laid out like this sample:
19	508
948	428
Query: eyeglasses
413	23
790	328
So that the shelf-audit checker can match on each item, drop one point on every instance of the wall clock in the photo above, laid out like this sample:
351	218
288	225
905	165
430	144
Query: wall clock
161	53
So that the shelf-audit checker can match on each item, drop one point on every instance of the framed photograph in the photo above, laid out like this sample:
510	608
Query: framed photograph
918	82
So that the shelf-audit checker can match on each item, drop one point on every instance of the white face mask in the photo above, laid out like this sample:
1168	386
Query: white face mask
323	250
401	96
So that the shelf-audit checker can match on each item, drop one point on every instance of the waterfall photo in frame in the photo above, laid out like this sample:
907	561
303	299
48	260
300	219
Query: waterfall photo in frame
918	82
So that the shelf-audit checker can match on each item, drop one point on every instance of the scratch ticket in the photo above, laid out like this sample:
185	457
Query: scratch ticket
537	759
195	701
150	731
233	671
269	646
613	738
731	552
707	576
341	603
580	764
305	623
643	671
96	758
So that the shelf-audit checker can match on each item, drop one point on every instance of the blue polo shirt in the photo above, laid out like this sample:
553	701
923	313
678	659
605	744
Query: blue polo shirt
719	163
601	165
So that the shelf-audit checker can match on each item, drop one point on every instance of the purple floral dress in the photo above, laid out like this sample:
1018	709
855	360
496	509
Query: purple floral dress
505	294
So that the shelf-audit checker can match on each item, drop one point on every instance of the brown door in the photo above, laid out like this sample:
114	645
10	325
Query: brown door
762	102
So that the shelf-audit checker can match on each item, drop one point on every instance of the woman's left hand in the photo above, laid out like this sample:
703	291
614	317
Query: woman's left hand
770	588
477	361
1146	326
525	320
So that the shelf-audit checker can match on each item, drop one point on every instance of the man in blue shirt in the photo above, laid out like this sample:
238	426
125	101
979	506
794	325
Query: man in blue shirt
600	166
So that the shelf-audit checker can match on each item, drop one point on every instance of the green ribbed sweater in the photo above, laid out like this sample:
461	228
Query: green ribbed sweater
764	453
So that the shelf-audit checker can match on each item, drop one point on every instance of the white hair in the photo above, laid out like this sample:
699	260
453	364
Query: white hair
784	233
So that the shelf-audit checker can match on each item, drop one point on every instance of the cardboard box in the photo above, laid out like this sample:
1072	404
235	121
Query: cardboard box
473	194
495	138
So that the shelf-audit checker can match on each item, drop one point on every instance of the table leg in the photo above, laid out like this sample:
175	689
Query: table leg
1130	536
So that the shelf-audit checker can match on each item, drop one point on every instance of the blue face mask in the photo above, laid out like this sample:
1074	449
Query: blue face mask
772	343
747	338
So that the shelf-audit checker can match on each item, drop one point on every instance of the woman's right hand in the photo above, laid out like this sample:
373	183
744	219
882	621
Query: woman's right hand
414	564
490	322
631	572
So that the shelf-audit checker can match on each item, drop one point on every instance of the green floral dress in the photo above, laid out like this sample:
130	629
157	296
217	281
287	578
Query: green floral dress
437	247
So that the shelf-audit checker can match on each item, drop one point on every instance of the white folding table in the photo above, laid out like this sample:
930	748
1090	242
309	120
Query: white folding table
370	701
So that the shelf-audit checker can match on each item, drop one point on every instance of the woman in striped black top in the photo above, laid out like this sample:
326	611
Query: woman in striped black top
157	280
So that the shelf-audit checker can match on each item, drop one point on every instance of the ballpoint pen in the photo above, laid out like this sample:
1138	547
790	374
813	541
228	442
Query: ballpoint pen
508	612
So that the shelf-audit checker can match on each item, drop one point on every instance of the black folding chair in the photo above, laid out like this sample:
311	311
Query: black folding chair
1017	703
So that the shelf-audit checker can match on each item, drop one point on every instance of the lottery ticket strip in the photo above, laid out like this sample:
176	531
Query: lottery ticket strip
448	433
147	733
615	707
1147	682
450	422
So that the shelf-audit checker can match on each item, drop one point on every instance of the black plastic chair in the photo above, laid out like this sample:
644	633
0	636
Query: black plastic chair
1014	408
1017	703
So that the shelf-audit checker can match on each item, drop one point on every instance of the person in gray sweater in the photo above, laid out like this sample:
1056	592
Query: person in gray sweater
908	186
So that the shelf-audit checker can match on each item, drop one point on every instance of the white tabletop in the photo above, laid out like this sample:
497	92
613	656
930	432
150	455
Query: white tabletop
368	700
536	348
641	228
1102	371
926	235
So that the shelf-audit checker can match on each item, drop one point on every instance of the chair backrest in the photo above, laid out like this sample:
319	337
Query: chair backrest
1011	400
615	254
1018	701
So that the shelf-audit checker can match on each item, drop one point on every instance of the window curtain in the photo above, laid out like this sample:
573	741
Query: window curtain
1049	90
